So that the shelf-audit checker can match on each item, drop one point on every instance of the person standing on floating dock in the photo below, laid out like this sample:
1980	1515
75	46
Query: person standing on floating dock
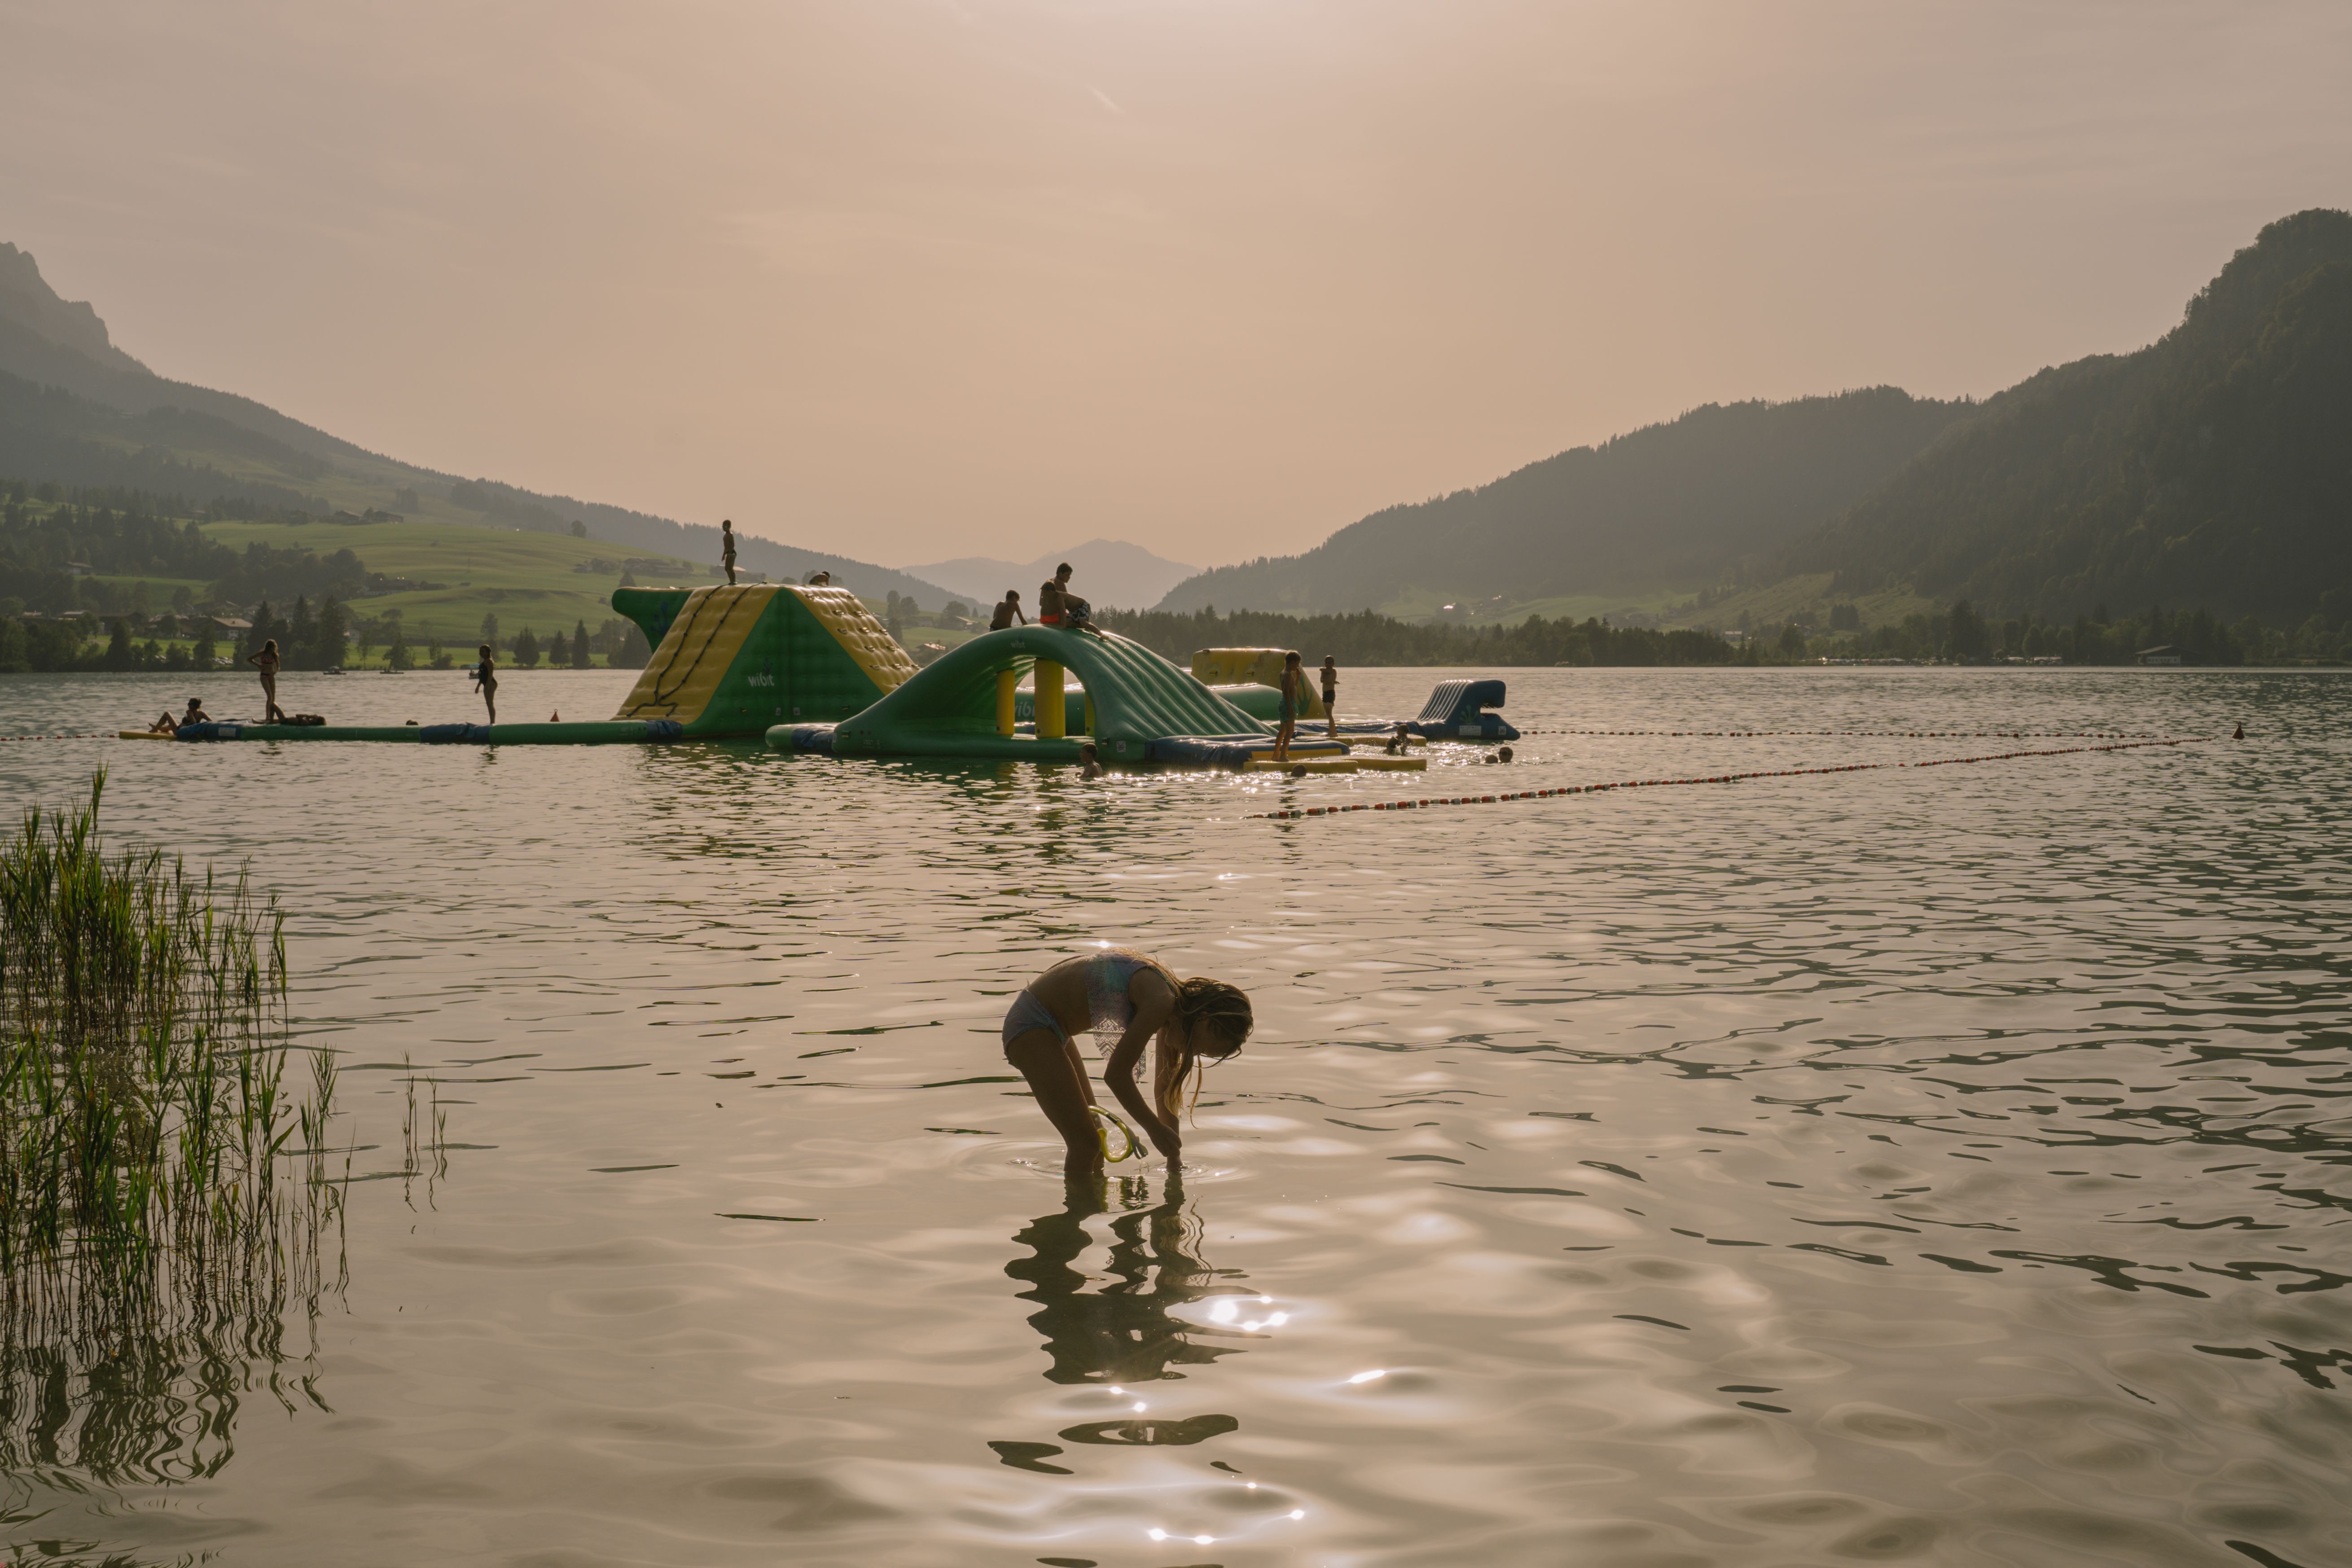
727	548
1008	612
1331	692
1190	1022
266	662
1294	687
486	676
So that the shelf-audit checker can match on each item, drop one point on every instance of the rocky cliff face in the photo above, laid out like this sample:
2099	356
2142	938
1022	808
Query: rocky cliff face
27	301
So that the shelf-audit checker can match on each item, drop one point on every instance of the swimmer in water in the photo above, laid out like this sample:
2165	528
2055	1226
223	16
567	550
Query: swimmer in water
1190	1023
1089	761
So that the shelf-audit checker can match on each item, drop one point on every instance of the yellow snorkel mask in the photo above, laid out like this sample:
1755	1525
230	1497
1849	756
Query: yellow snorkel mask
1134	1150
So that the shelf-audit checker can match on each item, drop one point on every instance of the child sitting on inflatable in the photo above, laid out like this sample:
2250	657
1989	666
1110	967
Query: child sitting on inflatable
1057	606
167	725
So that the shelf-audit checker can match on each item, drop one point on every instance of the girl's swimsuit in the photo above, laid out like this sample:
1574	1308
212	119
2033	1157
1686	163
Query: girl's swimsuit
1109	1006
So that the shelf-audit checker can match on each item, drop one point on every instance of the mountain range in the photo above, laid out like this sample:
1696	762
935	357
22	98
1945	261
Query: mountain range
1668	508
1105	572
76	409
2213	468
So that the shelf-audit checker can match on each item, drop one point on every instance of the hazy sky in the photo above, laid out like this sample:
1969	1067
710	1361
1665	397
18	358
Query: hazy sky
917	278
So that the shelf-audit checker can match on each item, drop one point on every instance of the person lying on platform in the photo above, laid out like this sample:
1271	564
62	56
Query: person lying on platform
1089	761
1008	611
167	725
1190	1023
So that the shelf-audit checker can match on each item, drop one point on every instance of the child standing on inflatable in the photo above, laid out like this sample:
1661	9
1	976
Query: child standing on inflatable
486	676
1294	692
1190	1023
727	548
266	662
1331	692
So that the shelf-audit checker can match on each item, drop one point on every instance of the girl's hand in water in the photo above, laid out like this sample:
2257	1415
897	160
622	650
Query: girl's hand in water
1164	1139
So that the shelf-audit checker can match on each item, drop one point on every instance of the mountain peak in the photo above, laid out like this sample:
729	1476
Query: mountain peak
26	301
2282	255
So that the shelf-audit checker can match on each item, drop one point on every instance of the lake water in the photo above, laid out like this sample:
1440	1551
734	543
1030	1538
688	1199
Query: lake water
1939	1167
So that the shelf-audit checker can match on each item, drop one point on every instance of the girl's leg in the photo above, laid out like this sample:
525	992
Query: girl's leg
1058	1079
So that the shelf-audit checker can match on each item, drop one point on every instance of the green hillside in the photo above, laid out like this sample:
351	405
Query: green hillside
540	582
76	410
1640	520
2213	468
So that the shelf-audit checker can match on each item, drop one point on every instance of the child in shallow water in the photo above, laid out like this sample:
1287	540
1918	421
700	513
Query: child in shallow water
1189	1022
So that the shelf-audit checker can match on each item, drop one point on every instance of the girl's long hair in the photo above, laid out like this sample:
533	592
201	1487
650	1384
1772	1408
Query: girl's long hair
1227	1009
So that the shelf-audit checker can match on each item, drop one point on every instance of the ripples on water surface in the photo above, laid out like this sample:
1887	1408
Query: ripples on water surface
1940	1167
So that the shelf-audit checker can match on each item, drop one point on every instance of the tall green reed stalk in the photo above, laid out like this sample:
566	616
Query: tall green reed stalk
165	1193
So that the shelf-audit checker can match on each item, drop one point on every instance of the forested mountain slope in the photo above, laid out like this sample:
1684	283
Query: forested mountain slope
76	409
2211	468
1670	506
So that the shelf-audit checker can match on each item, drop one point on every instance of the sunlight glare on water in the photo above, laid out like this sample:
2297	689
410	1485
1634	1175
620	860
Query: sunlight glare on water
1941	1166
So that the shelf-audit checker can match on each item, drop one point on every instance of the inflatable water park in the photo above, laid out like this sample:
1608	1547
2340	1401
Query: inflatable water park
810	669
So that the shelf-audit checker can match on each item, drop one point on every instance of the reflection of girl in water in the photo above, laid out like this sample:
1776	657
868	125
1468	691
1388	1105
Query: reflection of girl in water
1190	1022
1120	1333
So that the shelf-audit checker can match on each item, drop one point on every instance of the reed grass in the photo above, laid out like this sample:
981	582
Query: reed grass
164	1193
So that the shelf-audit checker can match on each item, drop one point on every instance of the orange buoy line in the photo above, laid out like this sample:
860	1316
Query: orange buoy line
66	735
1873	734
1710	778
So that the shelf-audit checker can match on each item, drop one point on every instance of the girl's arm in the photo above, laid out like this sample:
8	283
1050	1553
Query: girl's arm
1155	1004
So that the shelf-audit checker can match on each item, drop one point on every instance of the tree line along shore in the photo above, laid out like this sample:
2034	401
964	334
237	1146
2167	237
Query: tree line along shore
123	580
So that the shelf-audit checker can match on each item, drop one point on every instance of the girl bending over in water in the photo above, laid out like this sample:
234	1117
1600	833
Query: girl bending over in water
1190	1021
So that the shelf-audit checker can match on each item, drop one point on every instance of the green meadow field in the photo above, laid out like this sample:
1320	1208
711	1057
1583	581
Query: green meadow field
549	583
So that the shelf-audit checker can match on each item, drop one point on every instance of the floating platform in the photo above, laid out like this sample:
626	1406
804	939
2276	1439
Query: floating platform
811	670
1298	764
586	732
1456	710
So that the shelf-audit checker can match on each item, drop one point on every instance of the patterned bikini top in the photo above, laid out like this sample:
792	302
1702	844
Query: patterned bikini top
1109	1007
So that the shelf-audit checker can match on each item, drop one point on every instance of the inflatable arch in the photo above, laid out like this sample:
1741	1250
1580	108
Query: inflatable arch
961	704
